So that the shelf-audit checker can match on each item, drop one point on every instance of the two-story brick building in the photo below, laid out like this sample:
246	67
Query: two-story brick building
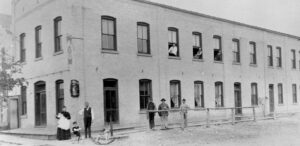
123	52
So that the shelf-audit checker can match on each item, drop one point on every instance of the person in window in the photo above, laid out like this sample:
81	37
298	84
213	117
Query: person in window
173	50
163	114
88	117
150	115
63	128
183	111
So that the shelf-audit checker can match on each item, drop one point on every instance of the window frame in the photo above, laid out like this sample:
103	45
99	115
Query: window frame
278	57
23	100
219	38
295	98
144	24
146	97
253	55
38	43
22	47
194	34
179	93
222	94
237	53
270	55
201	95
254	97
280	94
114	20
173	29
59	96
57	35
293	60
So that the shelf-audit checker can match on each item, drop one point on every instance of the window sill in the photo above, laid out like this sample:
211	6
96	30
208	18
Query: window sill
220	62
198	60
38	59
253	65
144	55
271	67
279	67
236	63
110	51
174	57
295	103
281	104
143	111
294	69
58	53
200	108
23	116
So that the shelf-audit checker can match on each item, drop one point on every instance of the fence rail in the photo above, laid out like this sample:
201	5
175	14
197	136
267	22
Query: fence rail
235	118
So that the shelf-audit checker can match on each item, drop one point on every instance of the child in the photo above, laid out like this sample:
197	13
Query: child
183	111
103	137
76	130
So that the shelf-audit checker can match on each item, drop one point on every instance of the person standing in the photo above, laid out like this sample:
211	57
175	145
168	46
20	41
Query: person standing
183	111
88	117
163	114
63	128
151	115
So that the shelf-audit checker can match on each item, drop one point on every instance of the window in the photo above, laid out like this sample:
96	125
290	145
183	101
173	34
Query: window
23	100
254	95
38	43
219	101
173	45
199	94
145	93
197	46
143	38
270	55
236	50
278	57
217	48
175	94
22	48
109	40
57	34
59	95
293	59
252	53
294	88
280	94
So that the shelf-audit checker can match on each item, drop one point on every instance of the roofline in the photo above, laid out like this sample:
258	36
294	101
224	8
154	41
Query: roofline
217	18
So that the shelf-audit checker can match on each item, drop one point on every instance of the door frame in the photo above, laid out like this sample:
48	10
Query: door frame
35	102
236	103
117	99
17	110
271	102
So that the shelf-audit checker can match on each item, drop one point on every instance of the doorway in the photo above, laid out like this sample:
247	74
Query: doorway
13	113
40	104
271	96
111	103
238	98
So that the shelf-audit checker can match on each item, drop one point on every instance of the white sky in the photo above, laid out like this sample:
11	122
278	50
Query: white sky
279	15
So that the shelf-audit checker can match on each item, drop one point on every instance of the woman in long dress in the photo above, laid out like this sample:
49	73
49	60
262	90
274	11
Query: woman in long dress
63	128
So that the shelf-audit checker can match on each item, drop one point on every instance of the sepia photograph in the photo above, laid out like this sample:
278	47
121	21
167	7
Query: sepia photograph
149	72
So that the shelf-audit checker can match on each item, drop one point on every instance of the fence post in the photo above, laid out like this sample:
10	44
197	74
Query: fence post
232	116
254	116
207	118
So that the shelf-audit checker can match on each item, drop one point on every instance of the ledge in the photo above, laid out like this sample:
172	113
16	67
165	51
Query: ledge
110	51
281	104
236	63
198	60
58	53
220	62
143	112
253	65
38	59
144	55
174	57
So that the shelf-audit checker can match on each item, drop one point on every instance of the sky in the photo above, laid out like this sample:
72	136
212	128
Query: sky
278	15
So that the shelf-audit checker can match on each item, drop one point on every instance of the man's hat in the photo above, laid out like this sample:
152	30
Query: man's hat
162	99
183	99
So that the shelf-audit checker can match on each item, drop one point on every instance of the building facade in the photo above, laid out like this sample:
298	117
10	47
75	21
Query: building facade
116	54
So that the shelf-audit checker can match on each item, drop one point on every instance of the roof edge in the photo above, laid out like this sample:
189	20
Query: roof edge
218	18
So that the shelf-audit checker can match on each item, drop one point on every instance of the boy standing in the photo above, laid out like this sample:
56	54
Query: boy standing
183	111
163	114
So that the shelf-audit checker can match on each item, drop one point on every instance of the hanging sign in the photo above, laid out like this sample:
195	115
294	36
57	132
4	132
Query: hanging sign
74	88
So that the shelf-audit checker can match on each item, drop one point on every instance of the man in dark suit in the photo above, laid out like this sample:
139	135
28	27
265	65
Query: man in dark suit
88	117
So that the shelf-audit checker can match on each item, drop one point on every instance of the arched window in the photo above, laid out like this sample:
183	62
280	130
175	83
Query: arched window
280	93
254	94
175	93
173	45
219	98
197	45
108	31
59	88
143	38
199	93
145	92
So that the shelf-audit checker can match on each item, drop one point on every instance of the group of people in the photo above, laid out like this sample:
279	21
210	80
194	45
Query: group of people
163	112
64	120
